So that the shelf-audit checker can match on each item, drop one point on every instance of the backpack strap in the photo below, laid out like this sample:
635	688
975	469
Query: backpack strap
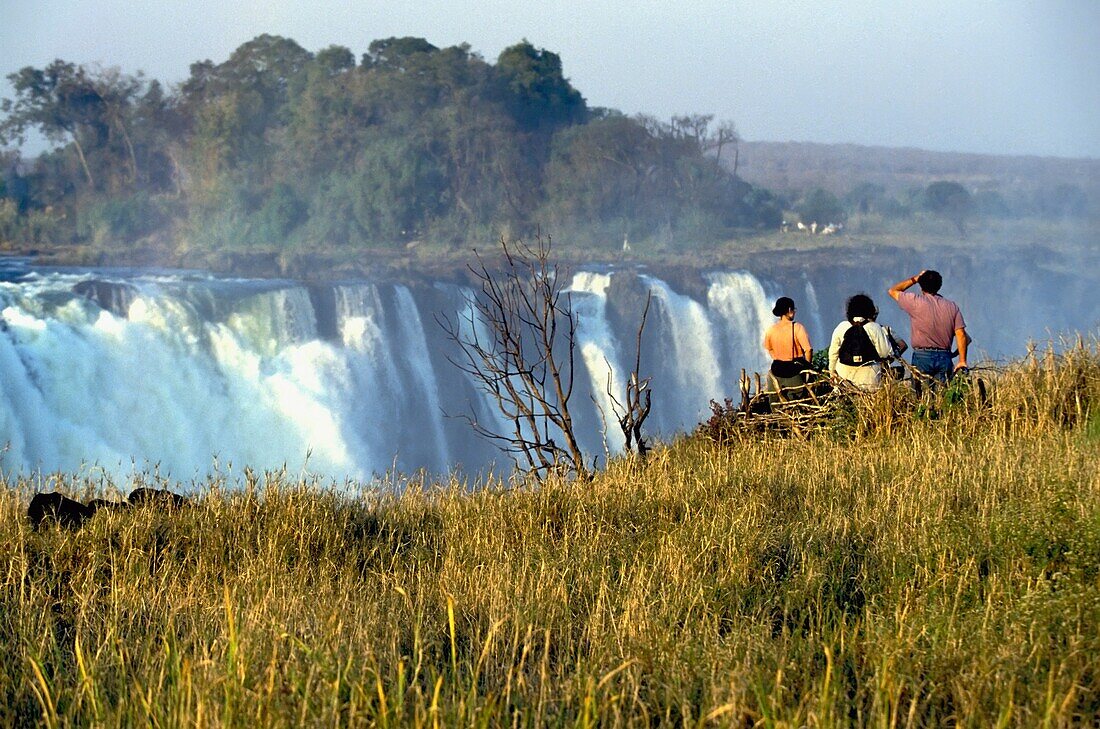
795	353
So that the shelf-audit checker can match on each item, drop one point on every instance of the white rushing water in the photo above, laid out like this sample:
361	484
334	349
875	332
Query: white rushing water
817	330
482	408
86	388
384	397
415	348
600	351
182	373
697	374
738	302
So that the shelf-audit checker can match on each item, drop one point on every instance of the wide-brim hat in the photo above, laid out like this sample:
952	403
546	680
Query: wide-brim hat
782	305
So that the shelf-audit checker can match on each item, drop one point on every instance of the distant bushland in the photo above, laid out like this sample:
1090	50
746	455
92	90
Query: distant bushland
893	182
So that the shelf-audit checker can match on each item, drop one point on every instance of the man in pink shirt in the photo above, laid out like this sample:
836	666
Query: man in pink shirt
935	324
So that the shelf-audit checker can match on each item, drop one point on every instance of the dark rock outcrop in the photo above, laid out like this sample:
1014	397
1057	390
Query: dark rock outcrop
71	514
108	295
323	299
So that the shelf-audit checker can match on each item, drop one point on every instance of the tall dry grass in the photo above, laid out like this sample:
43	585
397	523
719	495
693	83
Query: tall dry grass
937	568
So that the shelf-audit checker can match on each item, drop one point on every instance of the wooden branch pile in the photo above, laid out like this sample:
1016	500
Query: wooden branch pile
817	404
796	409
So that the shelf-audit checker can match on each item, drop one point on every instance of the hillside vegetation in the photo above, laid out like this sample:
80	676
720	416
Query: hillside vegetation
887	191
915	567
1017	186
279	149
285	161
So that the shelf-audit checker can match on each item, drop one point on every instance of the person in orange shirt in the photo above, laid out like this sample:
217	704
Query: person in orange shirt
789	346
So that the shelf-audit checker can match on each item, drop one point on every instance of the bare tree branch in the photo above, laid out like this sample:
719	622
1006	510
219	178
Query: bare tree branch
639	396
524	362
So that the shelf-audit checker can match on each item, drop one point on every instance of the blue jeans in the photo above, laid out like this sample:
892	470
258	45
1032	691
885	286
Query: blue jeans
936	363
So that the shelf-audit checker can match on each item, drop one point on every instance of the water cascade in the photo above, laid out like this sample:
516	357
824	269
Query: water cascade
692	368
599	350
743	310
182	372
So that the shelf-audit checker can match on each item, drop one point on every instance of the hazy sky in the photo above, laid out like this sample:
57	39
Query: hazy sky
999	76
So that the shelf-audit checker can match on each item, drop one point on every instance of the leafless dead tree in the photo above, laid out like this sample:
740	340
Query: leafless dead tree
517	341
639	397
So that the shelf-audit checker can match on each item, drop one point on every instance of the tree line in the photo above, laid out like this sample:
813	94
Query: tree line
894	188
281	148
945	198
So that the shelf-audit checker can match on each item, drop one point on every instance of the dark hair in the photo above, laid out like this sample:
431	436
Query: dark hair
860	305
930	282
782	305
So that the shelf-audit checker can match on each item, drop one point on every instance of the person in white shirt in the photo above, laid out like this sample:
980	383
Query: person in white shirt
865	369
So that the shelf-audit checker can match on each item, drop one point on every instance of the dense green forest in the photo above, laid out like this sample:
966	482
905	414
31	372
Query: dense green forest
278	147
287	153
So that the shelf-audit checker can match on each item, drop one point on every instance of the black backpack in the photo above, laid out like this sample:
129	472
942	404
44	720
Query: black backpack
856	349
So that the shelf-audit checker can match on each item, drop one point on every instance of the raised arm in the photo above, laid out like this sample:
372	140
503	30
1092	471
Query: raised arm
903	285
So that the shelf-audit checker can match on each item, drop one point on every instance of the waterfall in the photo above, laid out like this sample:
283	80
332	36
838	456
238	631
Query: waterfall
395	403
697	375
26	433
599	350
85	387
263	380
377	391
739	303
818	335
177	371
472	328
416	352
271	320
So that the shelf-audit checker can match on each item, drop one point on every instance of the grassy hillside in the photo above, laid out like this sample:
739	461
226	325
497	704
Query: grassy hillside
892	570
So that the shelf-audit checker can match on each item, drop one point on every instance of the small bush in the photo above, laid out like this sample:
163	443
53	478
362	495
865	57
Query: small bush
120	219
9	219
280	214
